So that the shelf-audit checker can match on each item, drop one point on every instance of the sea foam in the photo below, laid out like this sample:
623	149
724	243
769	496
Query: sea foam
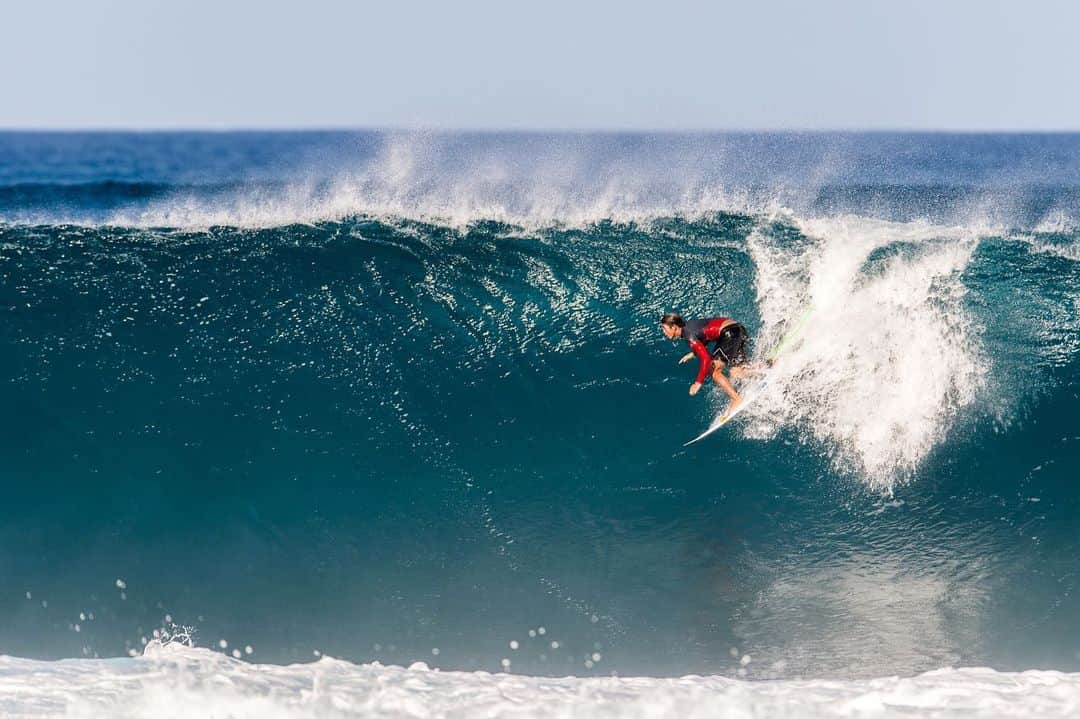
178	681
890	357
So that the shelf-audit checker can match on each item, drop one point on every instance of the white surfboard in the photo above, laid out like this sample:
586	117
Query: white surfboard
749	395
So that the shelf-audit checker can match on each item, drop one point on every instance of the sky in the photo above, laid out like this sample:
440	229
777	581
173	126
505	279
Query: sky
505	64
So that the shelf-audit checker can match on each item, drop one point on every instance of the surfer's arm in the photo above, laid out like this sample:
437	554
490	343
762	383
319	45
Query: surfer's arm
687	357
704	357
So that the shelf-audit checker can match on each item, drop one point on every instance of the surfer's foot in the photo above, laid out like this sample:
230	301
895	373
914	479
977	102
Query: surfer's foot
734	403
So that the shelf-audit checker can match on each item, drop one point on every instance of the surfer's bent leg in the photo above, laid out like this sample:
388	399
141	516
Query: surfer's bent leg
747	371
732	345
720	379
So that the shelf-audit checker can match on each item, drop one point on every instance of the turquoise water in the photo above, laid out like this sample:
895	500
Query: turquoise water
396	398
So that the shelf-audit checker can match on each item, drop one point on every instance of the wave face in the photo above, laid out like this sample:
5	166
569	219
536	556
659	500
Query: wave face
395	398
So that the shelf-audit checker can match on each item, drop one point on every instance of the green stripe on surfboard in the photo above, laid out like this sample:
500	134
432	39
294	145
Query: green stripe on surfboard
793	334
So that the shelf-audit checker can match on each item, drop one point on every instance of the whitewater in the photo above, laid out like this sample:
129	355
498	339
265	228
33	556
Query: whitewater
354	424
173	681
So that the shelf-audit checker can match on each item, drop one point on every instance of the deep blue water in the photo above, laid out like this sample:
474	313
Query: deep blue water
376	395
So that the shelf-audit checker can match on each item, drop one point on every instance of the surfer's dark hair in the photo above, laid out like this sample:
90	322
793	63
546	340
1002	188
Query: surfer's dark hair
673	318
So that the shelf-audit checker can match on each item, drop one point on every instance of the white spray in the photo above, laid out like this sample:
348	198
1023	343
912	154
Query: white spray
890	357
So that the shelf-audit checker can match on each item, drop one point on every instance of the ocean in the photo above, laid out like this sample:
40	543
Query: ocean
285	413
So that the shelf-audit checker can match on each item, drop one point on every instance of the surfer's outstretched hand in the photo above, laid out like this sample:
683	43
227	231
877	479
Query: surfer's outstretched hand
694	388
686	358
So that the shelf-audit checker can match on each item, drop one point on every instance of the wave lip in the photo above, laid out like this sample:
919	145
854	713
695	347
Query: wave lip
175	680
252	180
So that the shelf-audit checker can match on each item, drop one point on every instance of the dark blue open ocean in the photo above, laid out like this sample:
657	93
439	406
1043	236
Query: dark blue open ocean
403	397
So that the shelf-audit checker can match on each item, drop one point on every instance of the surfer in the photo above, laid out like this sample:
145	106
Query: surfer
730	349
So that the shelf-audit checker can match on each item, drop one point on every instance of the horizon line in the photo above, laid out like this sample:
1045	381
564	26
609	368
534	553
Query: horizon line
494	130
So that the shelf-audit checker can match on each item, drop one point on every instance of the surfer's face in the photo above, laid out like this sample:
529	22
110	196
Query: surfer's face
670	331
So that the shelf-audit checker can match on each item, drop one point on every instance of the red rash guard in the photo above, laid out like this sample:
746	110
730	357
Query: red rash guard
697	333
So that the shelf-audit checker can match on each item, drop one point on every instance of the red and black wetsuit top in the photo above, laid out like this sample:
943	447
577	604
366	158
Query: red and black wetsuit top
700	332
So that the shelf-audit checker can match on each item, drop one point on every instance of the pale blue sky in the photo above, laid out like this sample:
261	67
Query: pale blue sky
829	64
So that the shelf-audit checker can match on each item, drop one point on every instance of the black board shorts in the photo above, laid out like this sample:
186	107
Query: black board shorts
732	345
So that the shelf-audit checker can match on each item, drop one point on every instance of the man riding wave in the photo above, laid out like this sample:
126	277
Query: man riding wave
730	346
